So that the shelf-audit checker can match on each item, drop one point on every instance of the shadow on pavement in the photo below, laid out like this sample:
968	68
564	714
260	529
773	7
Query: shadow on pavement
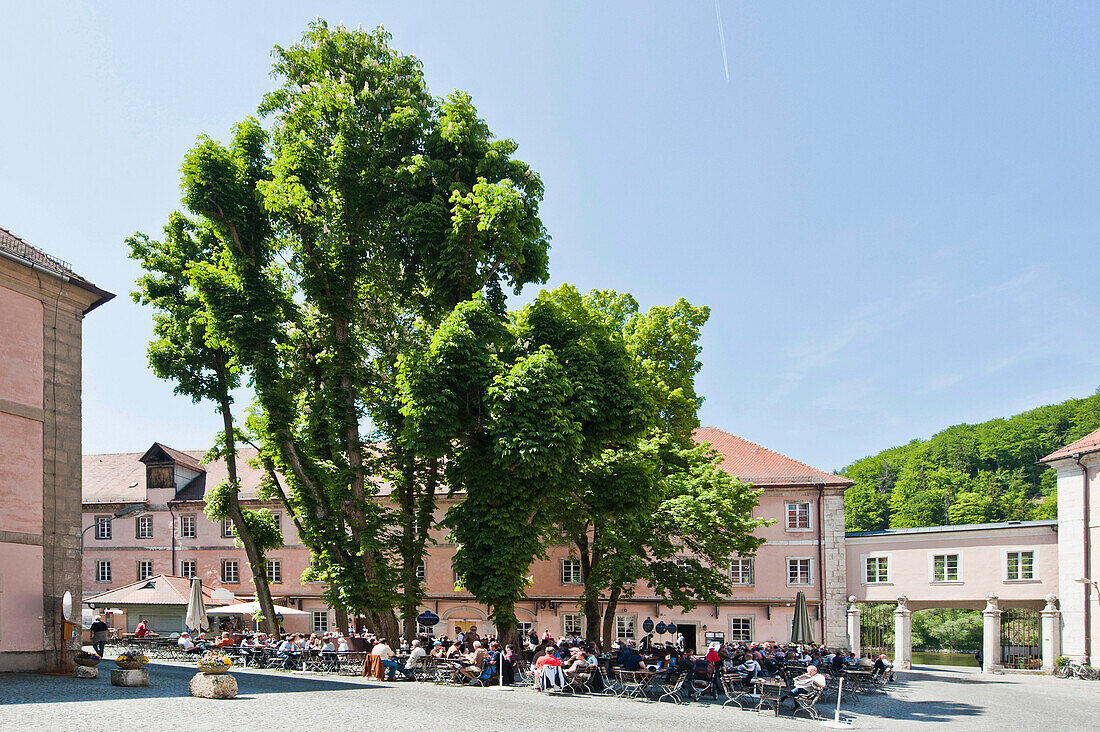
165	682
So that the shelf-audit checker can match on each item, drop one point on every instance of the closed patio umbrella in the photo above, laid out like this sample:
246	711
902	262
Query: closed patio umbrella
196	611
802	633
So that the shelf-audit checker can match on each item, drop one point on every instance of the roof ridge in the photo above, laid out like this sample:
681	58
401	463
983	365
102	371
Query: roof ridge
809	467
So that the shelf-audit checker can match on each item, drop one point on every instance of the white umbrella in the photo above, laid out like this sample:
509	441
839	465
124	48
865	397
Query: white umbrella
196	611
247	608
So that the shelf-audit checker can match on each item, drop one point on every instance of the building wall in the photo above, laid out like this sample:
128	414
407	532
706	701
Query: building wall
982	566
1071	551
40	453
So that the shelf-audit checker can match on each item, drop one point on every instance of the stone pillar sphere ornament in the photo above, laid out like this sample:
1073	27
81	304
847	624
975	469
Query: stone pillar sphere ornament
1050	625
991	636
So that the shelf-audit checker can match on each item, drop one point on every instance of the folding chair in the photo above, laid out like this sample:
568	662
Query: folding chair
669	685
807	703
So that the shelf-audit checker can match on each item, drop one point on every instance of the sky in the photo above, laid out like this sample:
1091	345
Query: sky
891	209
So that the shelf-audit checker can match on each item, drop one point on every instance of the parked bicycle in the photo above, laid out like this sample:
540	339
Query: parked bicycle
1073	669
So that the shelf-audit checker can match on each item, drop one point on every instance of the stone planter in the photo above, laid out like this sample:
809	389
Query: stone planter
85	672
86	661
129	665
213	686
213	669
129	677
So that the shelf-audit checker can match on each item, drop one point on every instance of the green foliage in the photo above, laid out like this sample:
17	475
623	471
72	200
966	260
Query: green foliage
968	473
948	629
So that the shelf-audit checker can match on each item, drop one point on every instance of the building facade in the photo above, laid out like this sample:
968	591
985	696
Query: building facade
42	304
804	550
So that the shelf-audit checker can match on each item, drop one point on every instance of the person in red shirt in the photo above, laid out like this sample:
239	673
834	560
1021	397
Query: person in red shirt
225	641
141	629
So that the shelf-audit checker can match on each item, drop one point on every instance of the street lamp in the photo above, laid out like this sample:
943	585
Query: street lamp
1087	581
135	511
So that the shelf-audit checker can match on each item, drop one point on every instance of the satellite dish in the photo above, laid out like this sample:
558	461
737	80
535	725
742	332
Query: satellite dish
67	606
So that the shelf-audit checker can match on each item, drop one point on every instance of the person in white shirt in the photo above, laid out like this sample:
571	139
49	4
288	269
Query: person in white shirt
384	652
805	684
416	657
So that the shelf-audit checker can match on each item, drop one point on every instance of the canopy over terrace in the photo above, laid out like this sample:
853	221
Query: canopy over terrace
160	600
247	609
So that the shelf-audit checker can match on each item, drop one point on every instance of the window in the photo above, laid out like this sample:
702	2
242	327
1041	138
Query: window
798	571
624	626
1021	566
227	528
144	569
320	621
188	568
570	572
275	571
945	568
525	629
571	624
878	570
144	528
741	629
103	527
741	571
230	572
187	526
421	571
798	516
102	571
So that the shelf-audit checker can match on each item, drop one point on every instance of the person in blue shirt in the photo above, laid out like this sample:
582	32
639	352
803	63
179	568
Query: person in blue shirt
634	662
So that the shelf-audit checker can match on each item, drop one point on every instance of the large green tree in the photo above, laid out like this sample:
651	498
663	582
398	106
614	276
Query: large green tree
361	219
186	351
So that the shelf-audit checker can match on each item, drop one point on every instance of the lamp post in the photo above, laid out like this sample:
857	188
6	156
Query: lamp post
135	511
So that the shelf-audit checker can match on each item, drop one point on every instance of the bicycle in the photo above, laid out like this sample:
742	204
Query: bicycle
1073	669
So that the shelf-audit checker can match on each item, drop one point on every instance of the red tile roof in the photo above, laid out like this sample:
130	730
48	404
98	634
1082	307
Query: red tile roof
34	257
760	466
163	589
1088	443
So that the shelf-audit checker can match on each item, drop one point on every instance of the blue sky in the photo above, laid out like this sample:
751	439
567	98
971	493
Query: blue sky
891	208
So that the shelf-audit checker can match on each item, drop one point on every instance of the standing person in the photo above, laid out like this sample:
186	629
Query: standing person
99	635
141	629
470	638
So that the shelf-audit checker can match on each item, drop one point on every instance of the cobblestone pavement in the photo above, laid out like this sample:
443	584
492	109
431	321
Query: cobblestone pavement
300	702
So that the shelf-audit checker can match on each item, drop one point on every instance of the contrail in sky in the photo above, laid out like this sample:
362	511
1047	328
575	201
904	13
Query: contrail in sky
722	38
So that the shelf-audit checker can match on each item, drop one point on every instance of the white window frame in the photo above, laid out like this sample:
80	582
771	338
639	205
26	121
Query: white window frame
737	627
143	527
274	569
524	629
746	566
809	515
319	621
144	569
1019	554
877	558
103	528
574	566
188	526
228	531
422	571
189	563
809	571
620	623
236	574
103	570
932	576
569	621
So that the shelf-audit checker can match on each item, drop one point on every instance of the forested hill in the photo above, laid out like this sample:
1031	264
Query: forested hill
968	474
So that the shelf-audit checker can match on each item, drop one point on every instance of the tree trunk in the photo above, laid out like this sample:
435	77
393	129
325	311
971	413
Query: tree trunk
609	618
341	619
256	561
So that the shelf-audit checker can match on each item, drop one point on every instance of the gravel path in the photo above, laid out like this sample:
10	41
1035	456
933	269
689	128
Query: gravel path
300	702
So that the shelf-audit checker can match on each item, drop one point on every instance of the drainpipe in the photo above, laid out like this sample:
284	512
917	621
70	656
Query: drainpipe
1087	553
173	535
821	556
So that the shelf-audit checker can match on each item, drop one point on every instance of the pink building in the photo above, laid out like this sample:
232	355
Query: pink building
804	550
42	303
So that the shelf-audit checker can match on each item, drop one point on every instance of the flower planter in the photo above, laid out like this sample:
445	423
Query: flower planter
213	669
130	665
87	661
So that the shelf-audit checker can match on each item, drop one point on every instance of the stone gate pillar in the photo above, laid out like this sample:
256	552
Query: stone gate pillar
903	634
991	636
1051	626
854	617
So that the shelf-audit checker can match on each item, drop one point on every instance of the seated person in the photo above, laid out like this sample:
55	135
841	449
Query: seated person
225	641
475	663
188	644
577	662
748	669
548	667
634	661
383	651
417	657
437	650
804	684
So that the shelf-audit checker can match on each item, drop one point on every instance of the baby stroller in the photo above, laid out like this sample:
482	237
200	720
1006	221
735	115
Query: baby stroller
702	679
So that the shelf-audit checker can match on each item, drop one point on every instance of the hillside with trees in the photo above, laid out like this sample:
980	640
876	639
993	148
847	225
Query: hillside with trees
968	474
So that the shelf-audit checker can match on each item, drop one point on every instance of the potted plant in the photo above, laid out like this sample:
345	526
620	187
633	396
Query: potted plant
213	662
131	660
83	658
